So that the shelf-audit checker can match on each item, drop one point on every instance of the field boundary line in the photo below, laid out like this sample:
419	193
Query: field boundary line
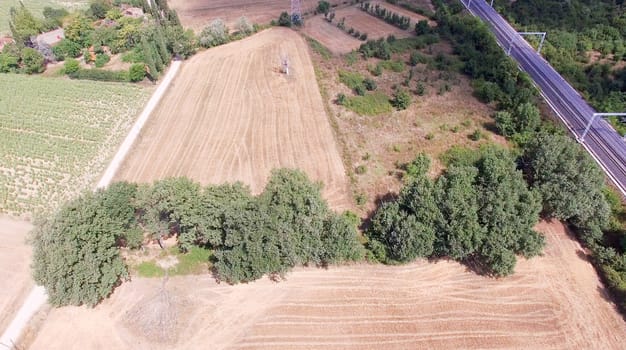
37	296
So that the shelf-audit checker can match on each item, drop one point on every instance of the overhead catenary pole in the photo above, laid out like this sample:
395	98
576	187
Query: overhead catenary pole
581	139
543	38
296	12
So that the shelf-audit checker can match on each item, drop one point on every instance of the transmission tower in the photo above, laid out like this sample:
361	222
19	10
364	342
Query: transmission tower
296	12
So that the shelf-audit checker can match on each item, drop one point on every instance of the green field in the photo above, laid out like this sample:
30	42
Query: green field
57	136
35	6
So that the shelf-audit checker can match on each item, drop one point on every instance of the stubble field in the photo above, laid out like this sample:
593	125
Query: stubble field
196	14
333	38
231	115
552	302
365	23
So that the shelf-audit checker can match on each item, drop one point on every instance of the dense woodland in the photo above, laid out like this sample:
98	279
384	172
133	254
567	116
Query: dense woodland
586	43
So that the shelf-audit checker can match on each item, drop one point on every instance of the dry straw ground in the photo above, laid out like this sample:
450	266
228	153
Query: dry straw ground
336	40
231	115
198	13
15	256
555	301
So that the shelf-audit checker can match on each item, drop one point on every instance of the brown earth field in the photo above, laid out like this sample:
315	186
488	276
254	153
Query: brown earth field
15	255
366	23
415	17
555	301
231	115
196	14
336	40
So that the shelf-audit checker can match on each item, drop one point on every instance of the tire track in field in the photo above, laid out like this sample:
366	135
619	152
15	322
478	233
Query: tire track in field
232	116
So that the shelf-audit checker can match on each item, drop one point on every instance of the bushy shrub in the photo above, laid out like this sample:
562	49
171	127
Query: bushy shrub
378	48
32	61
401	99
369	84
102	59
284	20
136	72
66	49
100	74
71	66
216	33
244	27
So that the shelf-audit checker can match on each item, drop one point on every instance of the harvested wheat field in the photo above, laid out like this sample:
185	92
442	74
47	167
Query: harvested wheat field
415	17
15	275
336	40
366	23
231	115
552	302
196	14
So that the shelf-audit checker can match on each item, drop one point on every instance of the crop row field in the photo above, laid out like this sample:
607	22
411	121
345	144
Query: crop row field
57	136
35	6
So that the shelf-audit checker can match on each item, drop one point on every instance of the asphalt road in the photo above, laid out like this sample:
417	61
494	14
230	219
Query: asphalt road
603	143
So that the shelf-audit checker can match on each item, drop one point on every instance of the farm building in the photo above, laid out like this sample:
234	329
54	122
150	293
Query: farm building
50	38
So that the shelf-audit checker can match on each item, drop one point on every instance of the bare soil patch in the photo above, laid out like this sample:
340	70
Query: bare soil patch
366	23
336	40
553	301
415	17
196	14
15	255
231	115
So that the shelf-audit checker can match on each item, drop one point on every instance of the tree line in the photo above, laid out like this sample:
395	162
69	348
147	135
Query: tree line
402	22
77	250
571	185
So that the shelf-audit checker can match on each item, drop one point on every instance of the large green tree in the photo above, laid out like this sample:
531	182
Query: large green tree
406	227
75	256
23	24
459	232
570	182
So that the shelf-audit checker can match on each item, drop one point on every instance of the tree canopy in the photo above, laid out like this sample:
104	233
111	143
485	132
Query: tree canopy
77	251
480	209
570	182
